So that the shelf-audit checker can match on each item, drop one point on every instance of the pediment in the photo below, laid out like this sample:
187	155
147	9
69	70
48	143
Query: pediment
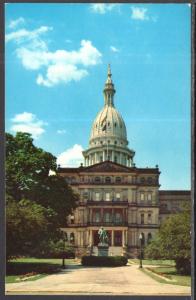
107	166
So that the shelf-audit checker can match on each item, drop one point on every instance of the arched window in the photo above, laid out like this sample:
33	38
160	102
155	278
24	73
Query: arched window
72	238
118	180
97	179
149	238
108	180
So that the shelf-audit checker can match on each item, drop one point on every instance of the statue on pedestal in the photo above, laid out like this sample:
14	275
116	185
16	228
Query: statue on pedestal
103	237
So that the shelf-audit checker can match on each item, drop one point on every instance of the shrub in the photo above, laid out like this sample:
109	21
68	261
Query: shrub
183	266
107	261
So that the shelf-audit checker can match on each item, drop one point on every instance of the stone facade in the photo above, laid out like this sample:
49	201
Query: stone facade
113	192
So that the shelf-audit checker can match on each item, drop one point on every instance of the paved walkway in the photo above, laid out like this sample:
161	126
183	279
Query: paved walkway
127	280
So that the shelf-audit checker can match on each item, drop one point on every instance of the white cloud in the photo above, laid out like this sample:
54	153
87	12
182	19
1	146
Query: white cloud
139	13
23	35
15	23
24	117
61	131
60	66
102	8
28	122
72	157
114	49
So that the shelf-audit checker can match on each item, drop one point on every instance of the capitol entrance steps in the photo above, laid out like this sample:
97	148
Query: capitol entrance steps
113	251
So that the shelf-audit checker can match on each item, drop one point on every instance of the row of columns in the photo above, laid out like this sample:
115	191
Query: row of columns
102	210
95	158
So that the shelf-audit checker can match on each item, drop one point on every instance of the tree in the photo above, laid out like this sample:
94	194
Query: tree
36	204
27	176
173	241
26	224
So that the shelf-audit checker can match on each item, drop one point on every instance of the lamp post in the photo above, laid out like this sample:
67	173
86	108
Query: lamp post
140	238
63	259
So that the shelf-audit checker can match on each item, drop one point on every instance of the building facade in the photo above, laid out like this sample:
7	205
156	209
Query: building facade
113	192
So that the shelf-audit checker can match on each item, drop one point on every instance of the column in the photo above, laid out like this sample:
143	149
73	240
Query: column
113	155
112	241
91	238
123	238
95	158
120	160
103	155
102	214
90	216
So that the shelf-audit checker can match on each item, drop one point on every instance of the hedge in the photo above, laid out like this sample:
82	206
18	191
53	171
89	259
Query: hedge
107	261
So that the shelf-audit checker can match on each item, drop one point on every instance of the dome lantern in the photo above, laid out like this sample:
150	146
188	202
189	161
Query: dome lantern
109	90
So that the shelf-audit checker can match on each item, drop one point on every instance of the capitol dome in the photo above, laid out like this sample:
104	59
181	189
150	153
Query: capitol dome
114	125
108	138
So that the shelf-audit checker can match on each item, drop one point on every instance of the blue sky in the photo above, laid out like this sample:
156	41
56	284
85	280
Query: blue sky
56	66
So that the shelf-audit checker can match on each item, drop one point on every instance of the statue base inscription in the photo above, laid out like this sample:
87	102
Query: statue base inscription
103	249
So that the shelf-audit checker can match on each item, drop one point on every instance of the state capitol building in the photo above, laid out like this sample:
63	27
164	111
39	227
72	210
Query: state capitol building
113	192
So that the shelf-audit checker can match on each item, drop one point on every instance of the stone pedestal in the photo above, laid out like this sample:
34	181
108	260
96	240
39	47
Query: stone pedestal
103	249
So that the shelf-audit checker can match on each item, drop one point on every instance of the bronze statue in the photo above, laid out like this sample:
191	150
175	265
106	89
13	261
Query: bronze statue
103	237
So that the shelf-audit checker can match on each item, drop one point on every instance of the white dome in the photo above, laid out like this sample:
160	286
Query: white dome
109	123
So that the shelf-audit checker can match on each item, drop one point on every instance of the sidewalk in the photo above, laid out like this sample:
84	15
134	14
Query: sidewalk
126	280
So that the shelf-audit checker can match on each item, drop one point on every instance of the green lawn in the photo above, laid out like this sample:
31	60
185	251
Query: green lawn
33	268
169	273
165	268
153	262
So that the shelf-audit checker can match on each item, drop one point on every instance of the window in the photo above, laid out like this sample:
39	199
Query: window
107	196
115	159
107	180
107	217
97	196
97	217
85	195
142	180
149	218
72	238
118	179
150	180
149	238
142	196
97	179
117	196
118	217
142	218
101	158
149	196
